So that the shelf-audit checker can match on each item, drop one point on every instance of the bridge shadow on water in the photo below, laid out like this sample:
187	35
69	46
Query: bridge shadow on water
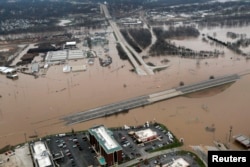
117	113
209	92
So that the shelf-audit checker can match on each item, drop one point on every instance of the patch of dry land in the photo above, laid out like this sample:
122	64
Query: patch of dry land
31	106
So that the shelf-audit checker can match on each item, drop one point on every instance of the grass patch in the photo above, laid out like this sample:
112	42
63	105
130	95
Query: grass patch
6	148
176	142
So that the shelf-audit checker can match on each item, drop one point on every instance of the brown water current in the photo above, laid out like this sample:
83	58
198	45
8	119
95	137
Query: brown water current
31	106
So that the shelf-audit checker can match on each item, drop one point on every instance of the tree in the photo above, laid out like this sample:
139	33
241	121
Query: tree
211	77
72	131
181	83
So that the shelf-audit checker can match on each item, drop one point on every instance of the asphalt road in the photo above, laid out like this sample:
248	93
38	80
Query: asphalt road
107	110
140	101
132	54
208	84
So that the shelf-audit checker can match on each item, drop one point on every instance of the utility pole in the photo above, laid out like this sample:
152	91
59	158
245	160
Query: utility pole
230	133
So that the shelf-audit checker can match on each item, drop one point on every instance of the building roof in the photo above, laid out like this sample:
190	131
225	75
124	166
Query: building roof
180	162
243	140
144	134
62	55
3	69
41	154
76	54
105	139
71	43
34	67
6	70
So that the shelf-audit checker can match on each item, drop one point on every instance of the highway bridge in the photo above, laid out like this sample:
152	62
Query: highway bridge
107	110
126	105
126	47
141	68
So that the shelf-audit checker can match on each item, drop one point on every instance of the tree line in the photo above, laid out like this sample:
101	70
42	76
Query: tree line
130	41
42	9
142	36
176	32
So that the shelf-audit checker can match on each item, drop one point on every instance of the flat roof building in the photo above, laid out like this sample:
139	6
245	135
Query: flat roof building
59	55
34	67
41	155
145	135
5	70
104	143
243	140
180	162
70	45
63	55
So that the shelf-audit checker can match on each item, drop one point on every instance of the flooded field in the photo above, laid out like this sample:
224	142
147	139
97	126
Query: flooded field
31	106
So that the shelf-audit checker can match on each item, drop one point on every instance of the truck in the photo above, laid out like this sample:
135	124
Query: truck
61	134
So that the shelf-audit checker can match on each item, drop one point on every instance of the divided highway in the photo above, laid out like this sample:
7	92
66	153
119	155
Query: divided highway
140	101
132	54
107	110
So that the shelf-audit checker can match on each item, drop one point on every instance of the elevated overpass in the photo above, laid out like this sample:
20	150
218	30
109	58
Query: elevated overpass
132	54
126	105
142	68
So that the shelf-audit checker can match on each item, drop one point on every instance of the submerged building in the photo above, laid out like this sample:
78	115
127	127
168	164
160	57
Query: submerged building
243	140
102	140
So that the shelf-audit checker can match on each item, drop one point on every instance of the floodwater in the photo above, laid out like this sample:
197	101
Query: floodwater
31	106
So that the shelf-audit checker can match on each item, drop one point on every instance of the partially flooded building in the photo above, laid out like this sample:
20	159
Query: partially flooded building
41	154
243	140
104	143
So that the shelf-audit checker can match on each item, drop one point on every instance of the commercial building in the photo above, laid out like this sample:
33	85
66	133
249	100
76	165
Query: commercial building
145	135
63	55
59	55
9	72
41	154
102	140
6	70
180	162
243	140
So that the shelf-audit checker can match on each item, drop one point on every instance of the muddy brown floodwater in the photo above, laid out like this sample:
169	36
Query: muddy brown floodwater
31	106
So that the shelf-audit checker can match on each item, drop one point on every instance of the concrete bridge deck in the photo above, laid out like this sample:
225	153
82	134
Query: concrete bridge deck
140	101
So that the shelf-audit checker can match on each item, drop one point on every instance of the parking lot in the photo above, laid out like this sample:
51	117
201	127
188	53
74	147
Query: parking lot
73	150
169	158
132	149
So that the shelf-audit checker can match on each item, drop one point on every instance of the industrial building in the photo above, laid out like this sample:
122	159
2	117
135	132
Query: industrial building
41	154
102	140
63	55
145	135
